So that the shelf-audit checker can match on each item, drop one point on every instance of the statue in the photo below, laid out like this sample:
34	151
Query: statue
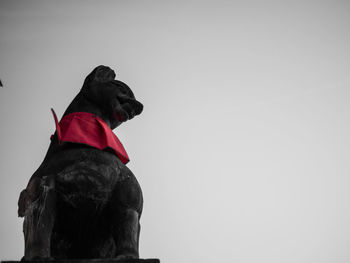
83	202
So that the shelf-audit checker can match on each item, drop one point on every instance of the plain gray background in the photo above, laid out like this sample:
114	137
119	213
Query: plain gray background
243	147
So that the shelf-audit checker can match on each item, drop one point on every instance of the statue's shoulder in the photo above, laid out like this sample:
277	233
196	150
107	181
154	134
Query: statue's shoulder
80	156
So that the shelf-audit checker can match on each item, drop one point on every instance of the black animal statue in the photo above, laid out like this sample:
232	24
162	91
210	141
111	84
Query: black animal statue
83	202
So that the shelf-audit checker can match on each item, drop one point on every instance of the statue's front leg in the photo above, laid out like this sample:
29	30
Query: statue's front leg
127	205
126	234
38	222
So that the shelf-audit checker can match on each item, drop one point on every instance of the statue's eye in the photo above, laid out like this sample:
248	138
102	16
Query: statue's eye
126	91
122	90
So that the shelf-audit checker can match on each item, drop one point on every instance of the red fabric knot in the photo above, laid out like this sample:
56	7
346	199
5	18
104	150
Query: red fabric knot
89	129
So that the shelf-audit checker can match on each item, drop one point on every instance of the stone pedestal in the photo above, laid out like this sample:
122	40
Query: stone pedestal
152	260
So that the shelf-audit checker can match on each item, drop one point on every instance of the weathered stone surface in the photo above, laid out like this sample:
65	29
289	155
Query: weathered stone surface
83	202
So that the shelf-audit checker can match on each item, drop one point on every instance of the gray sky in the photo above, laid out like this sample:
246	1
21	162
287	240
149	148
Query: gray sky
243	147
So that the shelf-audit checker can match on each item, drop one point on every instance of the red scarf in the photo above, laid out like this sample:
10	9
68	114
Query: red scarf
87	128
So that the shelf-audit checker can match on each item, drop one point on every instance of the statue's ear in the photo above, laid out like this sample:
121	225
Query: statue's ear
100	74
